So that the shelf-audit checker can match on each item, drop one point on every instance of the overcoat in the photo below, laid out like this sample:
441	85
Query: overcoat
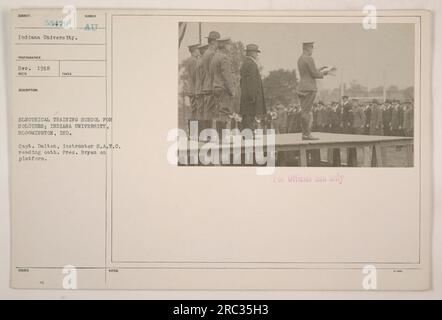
252	93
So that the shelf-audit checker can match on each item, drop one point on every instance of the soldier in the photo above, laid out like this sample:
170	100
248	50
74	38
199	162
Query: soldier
281	119
336	118
320	113
328	118
315	113
358	118
395	119
307	87
401	120
298	119
252	102
376	120
291	119
223	86
336	127
207	85
354	121
408	119
191	70
347	116
199	96
386	119
367	112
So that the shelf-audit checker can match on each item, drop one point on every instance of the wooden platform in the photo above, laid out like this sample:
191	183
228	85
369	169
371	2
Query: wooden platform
366	150
369	150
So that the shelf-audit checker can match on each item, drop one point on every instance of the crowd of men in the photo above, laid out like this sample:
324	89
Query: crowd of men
351	116
211	88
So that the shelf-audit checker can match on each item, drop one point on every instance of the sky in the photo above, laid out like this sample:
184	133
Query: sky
371	57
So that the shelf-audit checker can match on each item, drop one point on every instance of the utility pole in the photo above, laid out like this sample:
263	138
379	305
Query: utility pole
342	84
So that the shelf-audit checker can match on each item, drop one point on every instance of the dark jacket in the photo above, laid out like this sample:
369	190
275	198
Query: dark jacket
252	93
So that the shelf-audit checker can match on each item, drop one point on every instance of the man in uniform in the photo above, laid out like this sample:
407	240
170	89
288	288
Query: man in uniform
199	96
307	87
408	119
223	84
367	112
252	103
347	116
315	114
191	70
328	117
199	83
376	120
320	114
336	119
386	119
401	112
207	85
281	118
395	119
359	118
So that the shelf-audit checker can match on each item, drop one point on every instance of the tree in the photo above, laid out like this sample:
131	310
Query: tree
280	86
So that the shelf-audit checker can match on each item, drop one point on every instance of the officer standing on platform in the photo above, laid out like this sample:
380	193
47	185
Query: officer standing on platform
307	87
199	79
207	87
223	85
191	70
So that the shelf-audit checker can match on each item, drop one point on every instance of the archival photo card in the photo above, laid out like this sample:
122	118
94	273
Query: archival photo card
219	150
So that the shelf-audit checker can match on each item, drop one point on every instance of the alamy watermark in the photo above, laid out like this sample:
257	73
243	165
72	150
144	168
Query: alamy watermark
369	280
233	147
70	278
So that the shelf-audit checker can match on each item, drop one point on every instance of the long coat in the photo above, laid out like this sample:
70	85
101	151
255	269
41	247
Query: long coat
252	93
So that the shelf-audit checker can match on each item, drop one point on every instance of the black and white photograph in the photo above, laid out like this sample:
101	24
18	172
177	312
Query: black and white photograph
259	153
312	94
